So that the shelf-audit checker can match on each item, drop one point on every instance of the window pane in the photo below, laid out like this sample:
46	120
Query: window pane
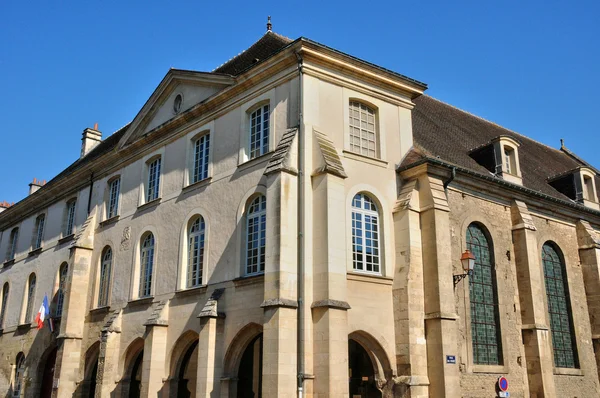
365	235
196	253
363	135
259	132
113	198
256	223
153	180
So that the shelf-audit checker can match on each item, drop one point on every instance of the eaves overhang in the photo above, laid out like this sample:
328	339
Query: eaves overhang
489	178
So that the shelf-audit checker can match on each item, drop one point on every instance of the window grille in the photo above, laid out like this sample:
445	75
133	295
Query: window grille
365	235
195	253
113	198
146	266
39	231
153	180
259	131
12	244
485	321
559	308
70	221
105	270
30	298
201	147
62	285
363	134
256	235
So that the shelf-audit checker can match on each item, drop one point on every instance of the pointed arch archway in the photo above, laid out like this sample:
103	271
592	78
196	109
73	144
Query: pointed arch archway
183	369
90	371
370	366
131	381
243	363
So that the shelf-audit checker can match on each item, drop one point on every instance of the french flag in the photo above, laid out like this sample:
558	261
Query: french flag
44	313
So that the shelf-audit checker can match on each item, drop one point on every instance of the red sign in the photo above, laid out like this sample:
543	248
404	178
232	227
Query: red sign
502	383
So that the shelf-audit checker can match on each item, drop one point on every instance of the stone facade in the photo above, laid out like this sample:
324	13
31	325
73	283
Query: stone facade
387	332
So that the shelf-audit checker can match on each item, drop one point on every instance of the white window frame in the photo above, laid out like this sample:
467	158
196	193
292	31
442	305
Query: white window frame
195	263
259	218
104	276
38	231
259	131
12	244
63	272
359	148
70	212
147	265
113	196
364	213
30	298
349	95
267	98
152	188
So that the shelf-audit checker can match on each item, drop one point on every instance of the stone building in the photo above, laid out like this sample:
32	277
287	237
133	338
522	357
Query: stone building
295	219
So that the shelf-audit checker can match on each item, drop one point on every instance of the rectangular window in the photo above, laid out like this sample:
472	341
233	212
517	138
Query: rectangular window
38	232
259	132
12	244
70	221
113	198
201	147
153	180
363	134
507	160
588	189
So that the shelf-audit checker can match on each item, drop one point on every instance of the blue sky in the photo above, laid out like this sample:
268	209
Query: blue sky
529	66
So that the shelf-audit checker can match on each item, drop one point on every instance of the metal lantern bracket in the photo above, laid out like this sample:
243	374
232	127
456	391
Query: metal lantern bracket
458	278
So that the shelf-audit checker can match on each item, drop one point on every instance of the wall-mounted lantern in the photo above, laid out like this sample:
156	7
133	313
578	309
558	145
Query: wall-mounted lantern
468	263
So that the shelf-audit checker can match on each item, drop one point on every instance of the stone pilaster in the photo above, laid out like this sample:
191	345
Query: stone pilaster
155	351
108	358
67	369
440	313
408	294
532	294
280	295
589	254
209	362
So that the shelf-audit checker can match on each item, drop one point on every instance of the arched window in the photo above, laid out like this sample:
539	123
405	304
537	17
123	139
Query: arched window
485	320
146	265
153	181
12	244
62	284
105	270
38	233
200	150
363	130
4	303
195	252
19	372
112	205
366	255
559	308
256	235
30	297
69	218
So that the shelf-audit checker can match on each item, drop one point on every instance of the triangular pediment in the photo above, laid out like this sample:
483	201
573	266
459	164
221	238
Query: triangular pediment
163	105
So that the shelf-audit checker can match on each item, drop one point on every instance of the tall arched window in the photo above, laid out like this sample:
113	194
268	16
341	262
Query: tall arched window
146	265
195	252
559	308
69	224
485	320
4	303
62	284
30	297
366	238
256	235
363	129
38	232
104	283
12	244
19	372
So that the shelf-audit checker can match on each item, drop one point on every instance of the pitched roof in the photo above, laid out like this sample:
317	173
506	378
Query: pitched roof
441	130
269	44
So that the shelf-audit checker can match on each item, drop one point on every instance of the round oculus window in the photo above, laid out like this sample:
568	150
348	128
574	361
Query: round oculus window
177	103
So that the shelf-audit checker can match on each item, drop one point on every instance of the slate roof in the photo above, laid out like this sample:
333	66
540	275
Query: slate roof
450	134
268	45
278	159
332	162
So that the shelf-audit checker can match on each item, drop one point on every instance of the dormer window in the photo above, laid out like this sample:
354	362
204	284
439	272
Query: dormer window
509	160
579	185
501	158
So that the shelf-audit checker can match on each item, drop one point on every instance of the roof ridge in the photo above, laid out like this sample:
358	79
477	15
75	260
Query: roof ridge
237	55
494	123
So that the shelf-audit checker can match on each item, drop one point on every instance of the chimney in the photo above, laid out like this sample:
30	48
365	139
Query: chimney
5	205
35	185
89	139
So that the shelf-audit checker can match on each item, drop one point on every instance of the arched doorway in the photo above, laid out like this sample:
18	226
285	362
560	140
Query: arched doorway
88	386
135	377
361	372
250	370
188	372
48	374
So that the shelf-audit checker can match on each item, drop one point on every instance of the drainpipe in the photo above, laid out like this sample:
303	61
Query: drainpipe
449	180
300	259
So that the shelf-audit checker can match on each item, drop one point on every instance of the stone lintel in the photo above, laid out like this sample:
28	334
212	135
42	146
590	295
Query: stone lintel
335	304
448	316
534	326
412	380
279	302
